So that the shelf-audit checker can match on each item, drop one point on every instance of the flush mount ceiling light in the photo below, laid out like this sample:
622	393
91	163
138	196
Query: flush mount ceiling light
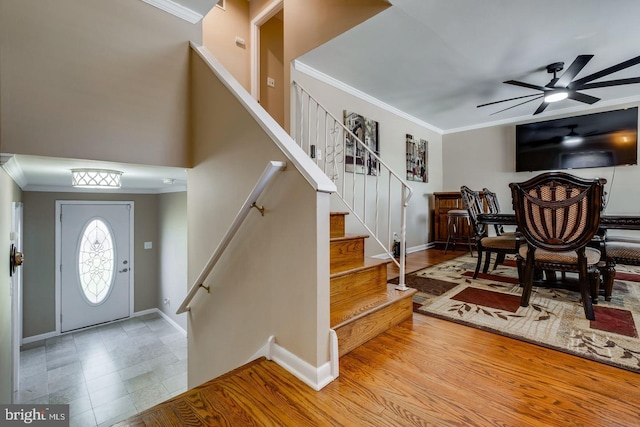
95	178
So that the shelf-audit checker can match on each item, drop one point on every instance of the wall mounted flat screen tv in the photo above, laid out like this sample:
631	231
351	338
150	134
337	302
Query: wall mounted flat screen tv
589	141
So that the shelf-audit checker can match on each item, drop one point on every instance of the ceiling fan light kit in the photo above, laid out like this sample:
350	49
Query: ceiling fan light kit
563	87
555	96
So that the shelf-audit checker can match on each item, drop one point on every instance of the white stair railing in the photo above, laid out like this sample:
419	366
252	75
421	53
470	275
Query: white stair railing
267	175
365	183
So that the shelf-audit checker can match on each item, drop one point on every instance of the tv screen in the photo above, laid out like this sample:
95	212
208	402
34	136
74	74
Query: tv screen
589	141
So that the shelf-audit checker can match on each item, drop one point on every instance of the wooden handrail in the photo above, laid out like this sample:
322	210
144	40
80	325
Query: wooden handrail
267	175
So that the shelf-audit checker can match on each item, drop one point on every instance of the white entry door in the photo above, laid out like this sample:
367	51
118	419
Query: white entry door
95	270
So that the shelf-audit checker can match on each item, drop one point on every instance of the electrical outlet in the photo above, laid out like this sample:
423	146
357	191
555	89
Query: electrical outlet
271	82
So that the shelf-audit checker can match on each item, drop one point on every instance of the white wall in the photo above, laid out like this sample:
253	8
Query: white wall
392	136
172	254
486	158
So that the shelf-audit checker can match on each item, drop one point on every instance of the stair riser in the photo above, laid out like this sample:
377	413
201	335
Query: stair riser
358	283
336	224
346	254
356	333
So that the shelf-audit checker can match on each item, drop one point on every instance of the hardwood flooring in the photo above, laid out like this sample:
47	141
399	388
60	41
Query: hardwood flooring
422	372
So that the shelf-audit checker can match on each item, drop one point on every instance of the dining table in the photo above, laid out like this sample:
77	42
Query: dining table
607	222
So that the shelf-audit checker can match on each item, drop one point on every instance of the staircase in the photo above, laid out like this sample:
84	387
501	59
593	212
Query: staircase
363	305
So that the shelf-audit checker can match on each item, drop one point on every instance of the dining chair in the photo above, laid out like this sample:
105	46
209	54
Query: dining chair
558	214
618	250
493	205
485	244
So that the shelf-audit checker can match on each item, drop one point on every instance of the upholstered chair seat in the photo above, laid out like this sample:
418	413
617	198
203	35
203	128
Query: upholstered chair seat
566	257
619	250
624	250
504	241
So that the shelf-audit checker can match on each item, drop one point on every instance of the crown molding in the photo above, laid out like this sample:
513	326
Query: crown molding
312	72
176	10
13	169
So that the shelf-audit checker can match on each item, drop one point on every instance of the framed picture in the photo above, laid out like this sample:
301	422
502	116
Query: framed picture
357	159
417	159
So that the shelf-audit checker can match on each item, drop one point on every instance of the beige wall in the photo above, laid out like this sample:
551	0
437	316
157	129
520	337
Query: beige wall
392	134
172	254
307	25
219	31
39	247
105	80
9	193
268	282
272	66
486	158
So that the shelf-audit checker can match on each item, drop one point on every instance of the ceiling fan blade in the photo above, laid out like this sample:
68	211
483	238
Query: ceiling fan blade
527	85
609	83
576	66
514	106
587	99
510	99
541	108
621	66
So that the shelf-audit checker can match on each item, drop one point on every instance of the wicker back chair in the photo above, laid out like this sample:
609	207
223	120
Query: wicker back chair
558	214
494	207
618	250
485	244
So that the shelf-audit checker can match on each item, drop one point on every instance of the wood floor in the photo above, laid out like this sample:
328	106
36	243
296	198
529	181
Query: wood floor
423	372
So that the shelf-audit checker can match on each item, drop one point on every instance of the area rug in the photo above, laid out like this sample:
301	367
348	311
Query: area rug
554	318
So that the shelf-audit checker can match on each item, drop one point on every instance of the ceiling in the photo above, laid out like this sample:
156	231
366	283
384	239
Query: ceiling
436	60
35	173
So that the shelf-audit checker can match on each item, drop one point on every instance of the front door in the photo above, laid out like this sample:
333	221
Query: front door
95	263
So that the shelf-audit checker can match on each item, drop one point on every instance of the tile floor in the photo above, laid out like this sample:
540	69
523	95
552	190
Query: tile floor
109	372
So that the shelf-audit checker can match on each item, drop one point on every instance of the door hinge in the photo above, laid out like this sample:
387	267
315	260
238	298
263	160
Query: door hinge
60	216
60	268
60	317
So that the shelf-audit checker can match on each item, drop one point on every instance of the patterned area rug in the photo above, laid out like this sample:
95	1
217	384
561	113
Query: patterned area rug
555	317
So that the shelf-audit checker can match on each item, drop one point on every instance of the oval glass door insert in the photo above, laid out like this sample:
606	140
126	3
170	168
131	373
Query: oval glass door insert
96	261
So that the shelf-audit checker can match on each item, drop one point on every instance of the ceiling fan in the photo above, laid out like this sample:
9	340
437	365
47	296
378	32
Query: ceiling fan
563	87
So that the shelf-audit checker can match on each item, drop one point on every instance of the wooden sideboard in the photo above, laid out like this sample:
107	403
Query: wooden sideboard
443	202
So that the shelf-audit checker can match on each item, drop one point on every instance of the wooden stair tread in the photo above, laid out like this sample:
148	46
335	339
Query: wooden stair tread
339	213
368	263
349	237
350	311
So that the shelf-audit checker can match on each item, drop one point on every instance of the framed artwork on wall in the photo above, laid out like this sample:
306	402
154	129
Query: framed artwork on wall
358	159
417	159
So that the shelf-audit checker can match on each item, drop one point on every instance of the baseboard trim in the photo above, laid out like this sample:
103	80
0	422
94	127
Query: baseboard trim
35	338
47	335
172	322
409	250
316	378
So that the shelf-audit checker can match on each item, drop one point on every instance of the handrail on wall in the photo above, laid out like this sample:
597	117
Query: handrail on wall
267	175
